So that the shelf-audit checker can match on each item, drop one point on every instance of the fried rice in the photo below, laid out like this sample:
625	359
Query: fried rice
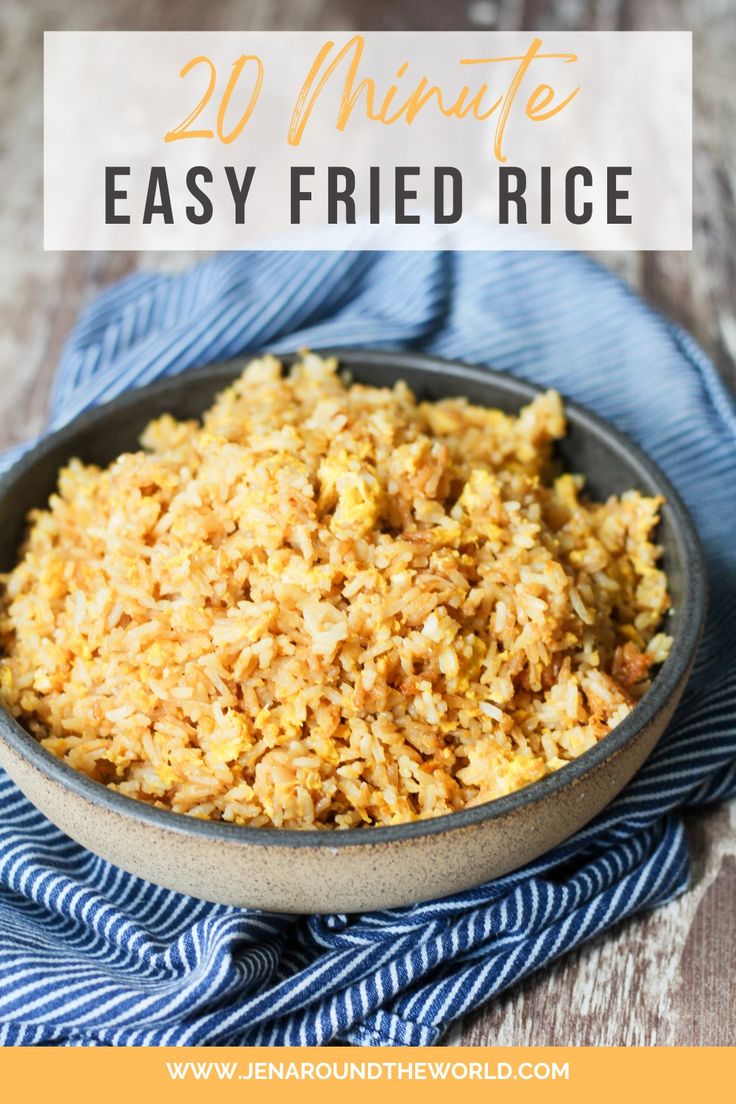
330	605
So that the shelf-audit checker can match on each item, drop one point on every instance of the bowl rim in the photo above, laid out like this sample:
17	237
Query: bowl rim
665	684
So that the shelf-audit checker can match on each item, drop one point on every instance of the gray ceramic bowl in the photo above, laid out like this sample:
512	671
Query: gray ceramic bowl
371	868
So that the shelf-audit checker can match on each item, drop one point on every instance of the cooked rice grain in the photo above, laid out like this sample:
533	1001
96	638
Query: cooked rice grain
330	605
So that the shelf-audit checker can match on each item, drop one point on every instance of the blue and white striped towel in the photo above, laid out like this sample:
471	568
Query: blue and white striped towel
90	955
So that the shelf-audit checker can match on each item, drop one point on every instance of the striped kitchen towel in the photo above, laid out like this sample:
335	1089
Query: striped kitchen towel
90	955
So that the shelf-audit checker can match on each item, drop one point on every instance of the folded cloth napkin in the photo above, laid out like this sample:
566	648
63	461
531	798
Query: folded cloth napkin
90	955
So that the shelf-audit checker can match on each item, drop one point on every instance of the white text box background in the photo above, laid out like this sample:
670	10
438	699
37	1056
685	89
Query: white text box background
110	97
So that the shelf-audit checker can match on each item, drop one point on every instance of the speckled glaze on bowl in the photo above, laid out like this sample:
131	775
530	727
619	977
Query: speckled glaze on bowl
360	869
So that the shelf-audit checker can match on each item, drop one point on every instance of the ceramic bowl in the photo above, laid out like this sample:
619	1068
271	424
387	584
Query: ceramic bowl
372	868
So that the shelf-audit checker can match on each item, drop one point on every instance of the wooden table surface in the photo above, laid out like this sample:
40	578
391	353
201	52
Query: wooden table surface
664	978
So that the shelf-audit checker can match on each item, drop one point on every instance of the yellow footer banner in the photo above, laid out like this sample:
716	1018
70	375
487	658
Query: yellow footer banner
448	1075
